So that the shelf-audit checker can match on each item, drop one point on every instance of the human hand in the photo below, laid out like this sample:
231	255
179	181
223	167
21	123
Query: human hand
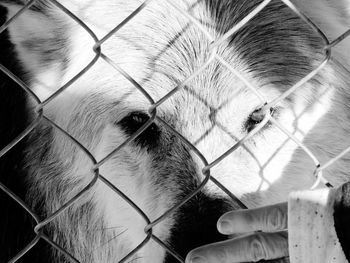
271	242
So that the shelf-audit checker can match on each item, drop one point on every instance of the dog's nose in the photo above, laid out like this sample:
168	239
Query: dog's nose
195	224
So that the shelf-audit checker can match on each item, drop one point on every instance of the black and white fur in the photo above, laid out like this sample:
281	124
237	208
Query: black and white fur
159	48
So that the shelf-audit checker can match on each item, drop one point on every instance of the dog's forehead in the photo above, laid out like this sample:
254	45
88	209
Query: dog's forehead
161	48
265	50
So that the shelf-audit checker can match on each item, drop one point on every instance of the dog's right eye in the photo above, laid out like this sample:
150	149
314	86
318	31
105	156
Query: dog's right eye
133	122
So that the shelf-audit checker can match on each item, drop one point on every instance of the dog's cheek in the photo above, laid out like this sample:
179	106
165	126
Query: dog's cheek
132	182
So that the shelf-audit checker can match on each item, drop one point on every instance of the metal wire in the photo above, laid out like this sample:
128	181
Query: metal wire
214	57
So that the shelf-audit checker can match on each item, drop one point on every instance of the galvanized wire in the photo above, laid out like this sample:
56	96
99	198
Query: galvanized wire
152	109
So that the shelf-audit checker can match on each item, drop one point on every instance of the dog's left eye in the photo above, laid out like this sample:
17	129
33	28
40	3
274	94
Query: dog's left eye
133	122
255	118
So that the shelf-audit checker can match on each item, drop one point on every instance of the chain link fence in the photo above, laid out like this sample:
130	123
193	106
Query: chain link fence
265	107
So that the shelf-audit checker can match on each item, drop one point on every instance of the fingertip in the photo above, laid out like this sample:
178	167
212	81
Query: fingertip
227	223
224	227
194	257
233	215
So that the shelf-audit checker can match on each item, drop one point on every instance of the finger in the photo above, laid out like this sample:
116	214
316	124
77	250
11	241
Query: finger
267	219
280	260
251	248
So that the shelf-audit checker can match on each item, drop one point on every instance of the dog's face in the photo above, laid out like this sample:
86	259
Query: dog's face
160	48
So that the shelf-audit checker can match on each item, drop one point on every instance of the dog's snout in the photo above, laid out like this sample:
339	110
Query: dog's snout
196	224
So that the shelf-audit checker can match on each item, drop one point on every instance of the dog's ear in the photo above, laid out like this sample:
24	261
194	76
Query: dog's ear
342	8
33	35
38	43
333	18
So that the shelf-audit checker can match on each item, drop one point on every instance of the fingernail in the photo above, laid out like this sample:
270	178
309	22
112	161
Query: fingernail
224	226
197	259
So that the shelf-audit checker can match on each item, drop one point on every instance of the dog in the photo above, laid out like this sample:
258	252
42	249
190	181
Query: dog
159	48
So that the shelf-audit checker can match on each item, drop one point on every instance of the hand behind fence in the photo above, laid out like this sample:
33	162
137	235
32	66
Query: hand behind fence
270	242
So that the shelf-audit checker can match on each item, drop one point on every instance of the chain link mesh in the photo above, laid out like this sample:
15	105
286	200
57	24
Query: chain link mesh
265	106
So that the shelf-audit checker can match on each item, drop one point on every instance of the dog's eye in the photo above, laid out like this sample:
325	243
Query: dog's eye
133	122
255	118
